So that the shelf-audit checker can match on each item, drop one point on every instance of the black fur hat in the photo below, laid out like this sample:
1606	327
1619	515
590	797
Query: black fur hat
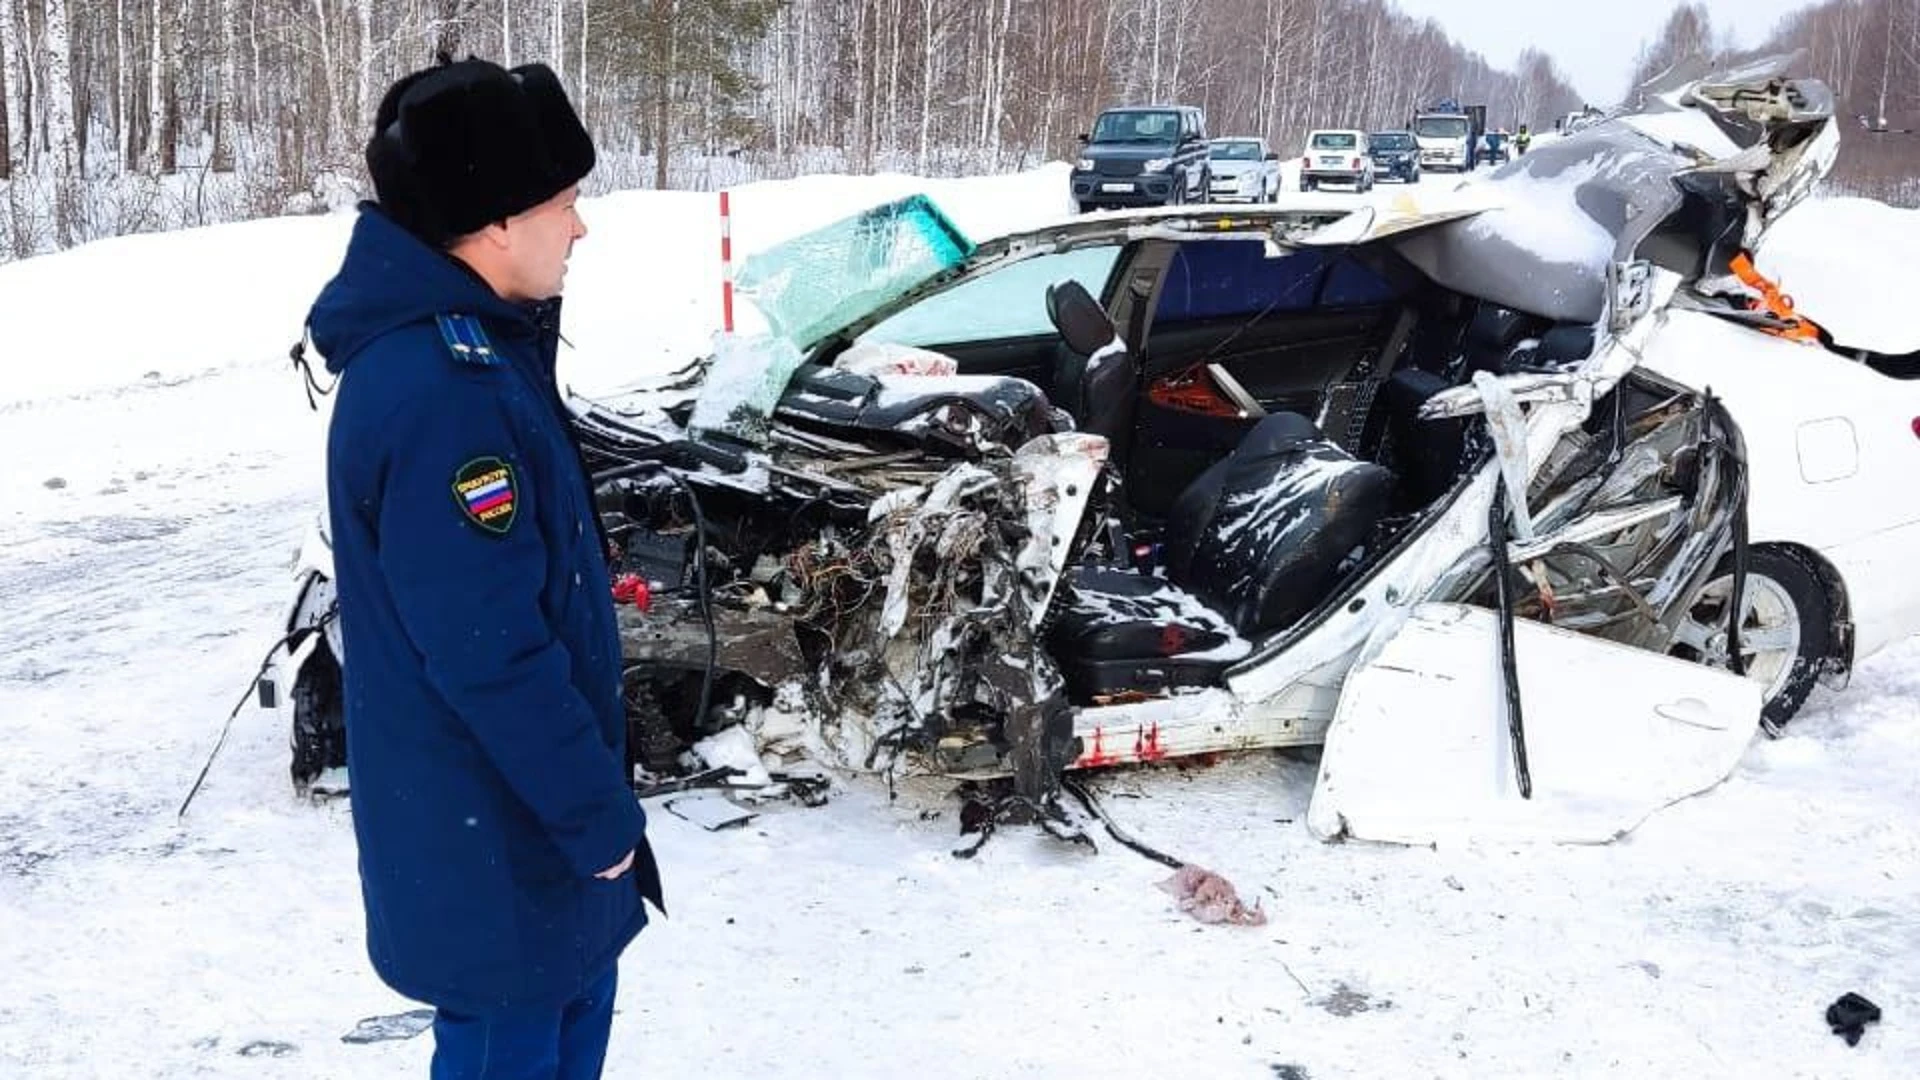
459	146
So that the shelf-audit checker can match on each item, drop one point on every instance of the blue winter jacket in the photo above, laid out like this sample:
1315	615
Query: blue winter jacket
485	729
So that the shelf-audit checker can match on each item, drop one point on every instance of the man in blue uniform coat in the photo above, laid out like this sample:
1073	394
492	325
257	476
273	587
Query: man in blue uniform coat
503	856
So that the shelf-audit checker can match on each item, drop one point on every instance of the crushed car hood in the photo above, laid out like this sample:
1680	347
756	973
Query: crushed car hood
1750	140
1561	214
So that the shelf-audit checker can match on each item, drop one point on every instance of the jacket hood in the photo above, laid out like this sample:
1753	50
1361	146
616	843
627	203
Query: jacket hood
389	278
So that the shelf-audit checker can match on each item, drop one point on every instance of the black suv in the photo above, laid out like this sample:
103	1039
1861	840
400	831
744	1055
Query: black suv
1395	154
1152	155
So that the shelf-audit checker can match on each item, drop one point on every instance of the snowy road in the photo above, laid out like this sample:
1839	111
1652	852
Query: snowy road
140	588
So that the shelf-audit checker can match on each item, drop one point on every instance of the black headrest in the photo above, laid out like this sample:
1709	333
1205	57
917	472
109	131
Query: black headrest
1082	322
1565	343
1496	325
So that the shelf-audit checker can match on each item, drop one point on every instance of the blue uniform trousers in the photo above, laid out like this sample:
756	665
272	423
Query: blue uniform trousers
568	1042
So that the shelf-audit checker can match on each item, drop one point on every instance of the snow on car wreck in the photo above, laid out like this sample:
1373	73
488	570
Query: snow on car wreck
1177	482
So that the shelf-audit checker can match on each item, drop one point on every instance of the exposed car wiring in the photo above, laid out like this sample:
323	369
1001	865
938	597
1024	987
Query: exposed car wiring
289	642
699	566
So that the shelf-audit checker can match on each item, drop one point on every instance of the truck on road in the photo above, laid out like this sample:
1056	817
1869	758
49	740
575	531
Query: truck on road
1449	135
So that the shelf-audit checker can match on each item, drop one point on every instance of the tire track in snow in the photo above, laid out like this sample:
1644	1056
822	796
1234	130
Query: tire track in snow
139	594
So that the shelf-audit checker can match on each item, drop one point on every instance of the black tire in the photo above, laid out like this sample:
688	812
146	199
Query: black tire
652	743
1087	208
319	735
1787	635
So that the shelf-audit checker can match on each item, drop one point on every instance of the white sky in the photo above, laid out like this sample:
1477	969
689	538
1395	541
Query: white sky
1595	50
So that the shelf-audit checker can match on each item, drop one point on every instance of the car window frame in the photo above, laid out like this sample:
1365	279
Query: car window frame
1119	247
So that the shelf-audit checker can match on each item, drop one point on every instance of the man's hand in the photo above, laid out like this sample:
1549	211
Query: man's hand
617	869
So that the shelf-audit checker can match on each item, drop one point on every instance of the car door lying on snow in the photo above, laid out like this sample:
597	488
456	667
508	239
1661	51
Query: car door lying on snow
1420	752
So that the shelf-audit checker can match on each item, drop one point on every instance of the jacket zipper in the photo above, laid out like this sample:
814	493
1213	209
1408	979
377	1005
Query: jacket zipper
545	315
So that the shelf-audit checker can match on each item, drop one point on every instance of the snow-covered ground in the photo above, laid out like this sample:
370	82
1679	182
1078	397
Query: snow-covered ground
162	461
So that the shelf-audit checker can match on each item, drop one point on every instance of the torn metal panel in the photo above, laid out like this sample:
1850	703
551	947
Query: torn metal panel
1573	208
1418	752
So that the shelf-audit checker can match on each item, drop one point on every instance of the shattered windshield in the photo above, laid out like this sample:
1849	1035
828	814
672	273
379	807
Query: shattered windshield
813	285
1143	126
1441	127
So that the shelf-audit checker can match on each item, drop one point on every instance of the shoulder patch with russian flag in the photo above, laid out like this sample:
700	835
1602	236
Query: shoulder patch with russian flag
487	493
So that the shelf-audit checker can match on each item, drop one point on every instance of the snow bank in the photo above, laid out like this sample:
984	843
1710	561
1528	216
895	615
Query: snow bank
1863	291
160	307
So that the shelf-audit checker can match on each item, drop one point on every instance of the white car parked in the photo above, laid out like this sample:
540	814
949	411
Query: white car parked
1337	156
1244	169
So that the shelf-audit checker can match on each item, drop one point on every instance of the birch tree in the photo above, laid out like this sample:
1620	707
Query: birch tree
9	78
363	105
156	122
61	141
223	118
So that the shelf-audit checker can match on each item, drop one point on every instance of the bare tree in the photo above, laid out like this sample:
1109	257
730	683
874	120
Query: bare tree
176	77
9	78
1686	36
156	89
60	134
362	112
1877	87
275	90
450	26
222	160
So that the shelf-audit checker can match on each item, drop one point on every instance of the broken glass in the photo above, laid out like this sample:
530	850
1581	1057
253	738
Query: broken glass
811	286
816	284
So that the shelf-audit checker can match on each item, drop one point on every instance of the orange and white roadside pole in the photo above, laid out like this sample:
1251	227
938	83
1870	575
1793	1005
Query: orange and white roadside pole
726	263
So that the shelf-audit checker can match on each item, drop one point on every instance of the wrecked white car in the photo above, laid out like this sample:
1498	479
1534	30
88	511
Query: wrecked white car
1179	482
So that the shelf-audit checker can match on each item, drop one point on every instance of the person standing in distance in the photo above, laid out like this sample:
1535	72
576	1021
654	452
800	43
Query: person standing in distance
503	856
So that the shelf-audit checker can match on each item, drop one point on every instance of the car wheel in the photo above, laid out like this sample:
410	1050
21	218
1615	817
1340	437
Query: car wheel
1086	208
319	736
652	744
1786	634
